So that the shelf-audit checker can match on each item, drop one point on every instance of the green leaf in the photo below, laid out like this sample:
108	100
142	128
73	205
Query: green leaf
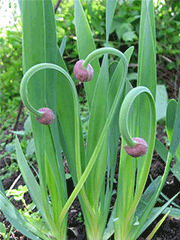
2	188
161	101
129	36
176	131
10	147
171	117
20	133
63	45
110	225
2	229
99	105
142	125
27	125
146	197
30	148
147	48
29	178
110	9
175	213
112	68
132	76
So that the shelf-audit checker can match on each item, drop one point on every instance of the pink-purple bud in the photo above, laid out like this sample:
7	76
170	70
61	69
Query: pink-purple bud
83	75
47	117
139	149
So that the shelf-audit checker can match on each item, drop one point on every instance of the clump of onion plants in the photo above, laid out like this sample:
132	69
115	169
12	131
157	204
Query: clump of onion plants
116	110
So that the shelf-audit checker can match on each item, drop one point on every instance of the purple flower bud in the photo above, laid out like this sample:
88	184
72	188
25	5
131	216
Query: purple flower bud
139	150
83	75
47	117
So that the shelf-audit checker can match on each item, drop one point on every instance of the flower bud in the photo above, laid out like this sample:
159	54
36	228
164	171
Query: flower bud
139	149
83	75
47	117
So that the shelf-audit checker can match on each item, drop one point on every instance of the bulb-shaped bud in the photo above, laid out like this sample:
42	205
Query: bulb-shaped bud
139	149
82	74
47	117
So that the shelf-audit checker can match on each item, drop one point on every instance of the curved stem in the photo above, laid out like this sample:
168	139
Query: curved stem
124	113
23	91
101	51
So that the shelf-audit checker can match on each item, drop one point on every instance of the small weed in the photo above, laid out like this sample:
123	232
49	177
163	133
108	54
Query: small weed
4	233
80	217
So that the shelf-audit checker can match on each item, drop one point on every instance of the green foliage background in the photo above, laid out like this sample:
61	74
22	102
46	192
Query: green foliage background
124	32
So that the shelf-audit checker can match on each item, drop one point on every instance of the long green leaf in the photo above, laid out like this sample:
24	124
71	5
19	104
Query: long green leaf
147	48
34	51
147	195
96	124
146	77
176	131
175	213
161	101
29	179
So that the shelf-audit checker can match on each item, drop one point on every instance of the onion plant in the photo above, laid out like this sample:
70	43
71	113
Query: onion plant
116	109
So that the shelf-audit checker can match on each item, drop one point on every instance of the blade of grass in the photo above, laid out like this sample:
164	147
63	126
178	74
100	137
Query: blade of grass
157	226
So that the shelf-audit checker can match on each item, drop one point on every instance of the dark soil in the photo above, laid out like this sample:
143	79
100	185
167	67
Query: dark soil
169	230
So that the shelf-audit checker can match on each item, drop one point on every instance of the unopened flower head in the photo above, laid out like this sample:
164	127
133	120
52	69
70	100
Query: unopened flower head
82	74
139	149
47	117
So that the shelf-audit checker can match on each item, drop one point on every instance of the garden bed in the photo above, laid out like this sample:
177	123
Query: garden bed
170	229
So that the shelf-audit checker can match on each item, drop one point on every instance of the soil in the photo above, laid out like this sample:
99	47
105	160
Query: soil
169	230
